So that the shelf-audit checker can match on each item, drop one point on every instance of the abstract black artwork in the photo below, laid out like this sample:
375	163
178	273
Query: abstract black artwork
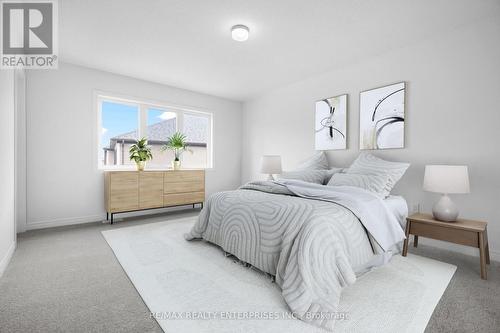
382	117
330	123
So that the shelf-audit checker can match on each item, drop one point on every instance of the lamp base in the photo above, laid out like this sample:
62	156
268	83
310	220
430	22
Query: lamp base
445	209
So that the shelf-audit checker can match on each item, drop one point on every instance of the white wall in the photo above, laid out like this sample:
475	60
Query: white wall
452	116
7	168
61	115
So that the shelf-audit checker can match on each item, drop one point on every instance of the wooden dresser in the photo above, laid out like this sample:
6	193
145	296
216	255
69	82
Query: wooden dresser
128	191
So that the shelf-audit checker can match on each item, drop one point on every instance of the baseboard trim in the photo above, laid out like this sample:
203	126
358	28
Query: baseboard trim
60	222
7	257
467	250
42	224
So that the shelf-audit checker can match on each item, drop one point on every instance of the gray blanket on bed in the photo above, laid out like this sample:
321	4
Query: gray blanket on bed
299	234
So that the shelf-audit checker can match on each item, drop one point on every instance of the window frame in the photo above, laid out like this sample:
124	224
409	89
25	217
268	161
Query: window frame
143	106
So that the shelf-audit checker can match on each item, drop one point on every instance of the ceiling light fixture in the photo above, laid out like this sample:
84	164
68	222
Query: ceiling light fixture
240	32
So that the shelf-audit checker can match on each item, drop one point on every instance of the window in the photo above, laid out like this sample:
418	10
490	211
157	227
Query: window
161	124
119	127
122	121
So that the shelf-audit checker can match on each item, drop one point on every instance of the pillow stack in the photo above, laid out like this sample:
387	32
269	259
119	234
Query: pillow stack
367	171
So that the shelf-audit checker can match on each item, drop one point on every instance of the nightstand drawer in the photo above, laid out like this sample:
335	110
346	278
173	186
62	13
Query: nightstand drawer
458	236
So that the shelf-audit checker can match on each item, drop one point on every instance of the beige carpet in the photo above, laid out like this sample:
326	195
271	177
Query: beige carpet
179	279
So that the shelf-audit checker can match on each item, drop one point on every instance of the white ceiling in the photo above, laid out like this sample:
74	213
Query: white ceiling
187	43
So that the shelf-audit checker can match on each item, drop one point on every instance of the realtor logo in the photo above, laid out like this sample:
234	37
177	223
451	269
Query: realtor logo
29	34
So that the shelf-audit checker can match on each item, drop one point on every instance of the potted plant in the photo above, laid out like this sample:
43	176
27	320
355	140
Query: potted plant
140	152
177	143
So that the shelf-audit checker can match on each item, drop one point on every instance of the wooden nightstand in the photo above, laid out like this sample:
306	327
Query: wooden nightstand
464	232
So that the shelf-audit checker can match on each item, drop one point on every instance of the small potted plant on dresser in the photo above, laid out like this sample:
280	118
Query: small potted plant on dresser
178	144
140	153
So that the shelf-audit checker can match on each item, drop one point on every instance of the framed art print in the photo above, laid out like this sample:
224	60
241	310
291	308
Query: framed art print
382	117
331	123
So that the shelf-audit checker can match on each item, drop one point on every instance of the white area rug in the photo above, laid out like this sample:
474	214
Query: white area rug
180	278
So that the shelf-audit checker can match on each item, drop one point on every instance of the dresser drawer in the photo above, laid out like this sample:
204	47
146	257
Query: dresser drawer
183	198
185	187
184	176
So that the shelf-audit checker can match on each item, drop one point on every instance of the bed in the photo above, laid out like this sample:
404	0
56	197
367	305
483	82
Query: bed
314	239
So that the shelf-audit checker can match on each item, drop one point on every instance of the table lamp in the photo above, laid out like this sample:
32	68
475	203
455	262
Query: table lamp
271	164
446	179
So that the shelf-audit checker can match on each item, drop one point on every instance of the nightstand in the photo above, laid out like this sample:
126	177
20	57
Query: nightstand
464	232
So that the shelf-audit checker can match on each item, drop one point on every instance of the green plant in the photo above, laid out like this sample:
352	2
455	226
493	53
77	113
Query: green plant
177	143
140	151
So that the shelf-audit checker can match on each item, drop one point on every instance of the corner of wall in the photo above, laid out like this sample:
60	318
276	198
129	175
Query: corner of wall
20	150
7	169
4	262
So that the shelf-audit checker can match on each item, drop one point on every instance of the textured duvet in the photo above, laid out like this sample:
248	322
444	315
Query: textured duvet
311	244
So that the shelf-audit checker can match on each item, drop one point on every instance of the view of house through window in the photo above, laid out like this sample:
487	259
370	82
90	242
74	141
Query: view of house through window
119	127
123	122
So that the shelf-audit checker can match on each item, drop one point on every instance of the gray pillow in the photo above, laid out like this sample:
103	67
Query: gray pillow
316	162
376	184
329	173
367	164
310	176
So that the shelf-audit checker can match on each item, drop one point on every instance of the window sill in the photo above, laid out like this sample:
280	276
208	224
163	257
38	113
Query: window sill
133	168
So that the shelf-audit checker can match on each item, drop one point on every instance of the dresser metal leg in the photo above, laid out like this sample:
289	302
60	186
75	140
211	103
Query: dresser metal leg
111	218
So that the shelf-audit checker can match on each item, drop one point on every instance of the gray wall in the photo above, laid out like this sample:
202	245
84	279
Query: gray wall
64	185
7	168
452	108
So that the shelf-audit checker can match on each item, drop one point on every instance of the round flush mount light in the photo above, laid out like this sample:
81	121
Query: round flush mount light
240	32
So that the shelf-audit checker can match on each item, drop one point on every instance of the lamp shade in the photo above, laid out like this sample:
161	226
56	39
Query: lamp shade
446	179
271	164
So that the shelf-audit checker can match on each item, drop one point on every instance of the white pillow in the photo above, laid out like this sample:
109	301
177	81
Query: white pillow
376	184
316	162
310	176
367	164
